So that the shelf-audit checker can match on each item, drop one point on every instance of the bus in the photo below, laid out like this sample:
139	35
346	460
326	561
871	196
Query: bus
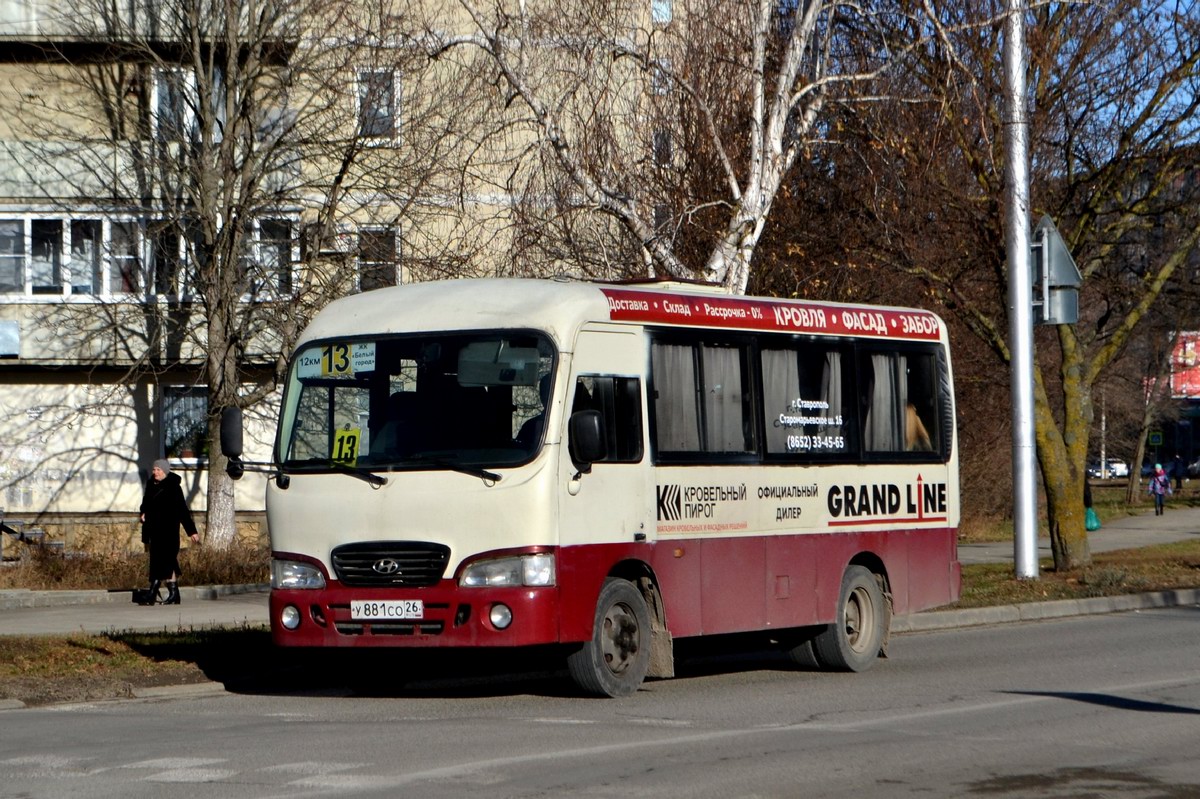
607	468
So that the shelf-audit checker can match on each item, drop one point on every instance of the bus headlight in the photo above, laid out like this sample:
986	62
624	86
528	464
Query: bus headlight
294	574
523	570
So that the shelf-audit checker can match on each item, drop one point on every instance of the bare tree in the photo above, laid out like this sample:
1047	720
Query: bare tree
658	137
242	137
1113	135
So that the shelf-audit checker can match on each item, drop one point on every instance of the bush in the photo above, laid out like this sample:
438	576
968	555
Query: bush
48	569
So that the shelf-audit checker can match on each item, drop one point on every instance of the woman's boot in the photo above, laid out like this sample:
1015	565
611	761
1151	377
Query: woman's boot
148	596
172	593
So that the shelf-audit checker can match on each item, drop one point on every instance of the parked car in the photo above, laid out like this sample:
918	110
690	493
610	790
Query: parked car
1116	468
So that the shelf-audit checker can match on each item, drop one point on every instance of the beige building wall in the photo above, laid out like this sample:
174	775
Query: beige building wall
452	182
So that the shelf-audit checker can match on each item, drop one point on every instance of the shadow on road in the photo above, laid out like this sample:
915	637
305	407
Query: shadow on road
245	661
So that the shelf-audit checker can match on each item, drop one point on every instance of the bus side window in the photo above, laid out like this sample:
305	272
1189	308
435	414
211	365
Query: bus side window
803	400
702	399
900	402
619	401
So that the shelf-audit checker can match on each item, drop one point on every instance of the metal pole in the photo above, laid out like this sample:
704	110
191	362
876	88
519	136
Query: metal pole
1020	293
1103	435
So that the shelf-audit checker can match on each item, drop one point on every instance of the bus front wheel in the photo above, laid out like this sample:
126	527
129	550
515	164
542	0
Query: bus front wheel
853	641
614	663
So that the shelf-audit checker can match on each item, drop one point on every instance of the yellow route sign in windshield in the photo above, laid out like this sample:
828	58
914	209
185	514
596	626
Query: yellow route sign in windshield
345	445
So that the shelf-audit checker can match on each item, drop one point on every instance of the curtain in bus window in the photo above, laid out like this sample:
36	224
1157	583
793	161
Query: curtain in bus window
723	408
882	430
781	385
675	413
831	390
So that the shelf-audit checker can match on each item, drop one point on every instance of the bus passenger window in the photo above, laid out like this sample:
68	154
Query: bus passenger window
901	406
701	398
619	401
803	399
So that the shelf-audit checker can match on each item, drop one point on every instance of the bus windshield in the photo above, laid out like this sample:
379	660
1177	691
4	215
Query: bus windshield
444	401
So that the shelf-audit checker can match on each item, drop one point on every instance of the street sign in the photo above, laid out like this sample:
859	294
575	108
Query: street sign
1056	278
1155	439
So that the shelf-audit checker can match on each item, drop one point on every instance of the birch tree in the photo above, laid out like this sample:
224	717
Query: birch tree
666	131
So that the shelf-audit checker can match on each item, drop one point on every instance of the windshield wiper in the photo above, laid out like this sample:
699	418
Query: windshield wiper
473	471
362	474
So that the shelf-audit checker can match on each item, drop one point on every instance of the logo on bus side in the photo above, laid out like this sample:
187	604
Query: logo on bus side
676	502
918	500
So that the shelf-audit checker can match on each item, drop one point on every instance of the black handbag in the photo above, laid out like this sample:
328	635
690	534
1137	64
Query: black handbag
145	596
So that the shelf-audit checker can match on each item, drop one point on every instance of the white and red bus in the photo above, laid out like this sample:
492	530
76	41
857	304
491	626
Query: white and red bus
509	463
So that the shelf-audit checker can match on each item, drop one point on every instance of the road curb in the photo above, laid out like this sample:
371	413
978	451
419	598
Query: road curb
12	599
191	689
1036	611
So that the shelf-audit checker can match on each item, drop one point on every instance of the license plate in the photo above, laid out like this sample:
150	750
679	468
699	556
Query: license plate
386	609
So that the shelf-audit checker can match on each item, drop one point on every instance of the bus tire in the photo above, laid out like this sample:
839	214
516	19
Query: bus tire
854	640
614	663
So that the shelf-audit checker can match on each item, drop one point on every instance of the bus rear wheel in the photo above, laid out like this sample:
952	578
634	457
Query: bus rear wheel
853	641
614	663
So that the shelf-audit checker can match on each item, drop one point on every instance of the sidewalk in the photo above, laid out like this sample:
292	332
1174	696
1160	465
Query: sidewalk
61	612
1177	524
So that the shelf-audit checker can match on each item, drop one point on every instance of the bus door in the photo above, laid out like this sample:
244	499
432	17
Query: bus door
609	504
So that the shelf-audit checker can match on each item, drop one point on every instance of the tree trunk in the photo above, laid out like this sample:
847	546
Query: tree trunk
222	526
222	374
1062	455
1066	518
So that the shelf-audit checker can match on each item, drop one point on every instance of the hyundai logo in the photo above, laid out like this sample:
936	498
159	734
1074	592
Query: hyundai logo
386	566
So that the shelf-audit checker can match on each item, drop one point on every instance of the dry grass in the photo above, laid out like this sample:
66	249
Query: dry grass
1128	571
47	570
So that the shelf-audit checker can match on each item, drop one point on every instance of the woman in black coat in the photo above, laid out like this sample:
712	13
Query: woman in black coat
163	510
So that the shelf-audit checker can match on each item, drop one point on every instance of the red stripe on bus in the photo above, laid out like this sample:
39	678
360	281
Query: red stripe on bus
758	314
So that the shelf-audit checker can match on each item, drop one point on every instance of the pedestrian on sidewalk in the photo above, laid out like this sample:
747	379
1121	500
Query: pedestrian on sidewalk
1177	467
1160	487
163	510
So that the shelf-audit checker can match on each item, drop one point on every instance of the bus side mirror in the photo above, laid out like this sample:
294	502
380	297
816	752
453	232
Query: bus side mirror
231	441
587	442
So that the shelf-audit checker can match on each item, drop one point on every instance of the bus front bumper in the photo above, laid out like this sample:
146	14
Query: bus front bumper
446	616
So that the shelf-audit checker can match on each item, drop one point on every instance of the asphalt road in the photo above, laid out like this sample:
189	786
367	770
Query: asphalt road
1100	706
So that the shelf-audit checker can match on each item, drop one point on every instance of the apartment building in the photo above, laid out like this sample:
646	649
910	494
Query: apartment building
112	219
176	200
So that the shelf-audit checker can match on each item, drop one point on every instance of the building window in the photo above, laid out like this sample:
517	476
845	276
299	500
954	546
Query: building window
660	11
377	106
660	76
185	421
86	275
12	256
171	112
276	241
377	262
45	256
662	219
166	263
662	147
267	263
124	265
